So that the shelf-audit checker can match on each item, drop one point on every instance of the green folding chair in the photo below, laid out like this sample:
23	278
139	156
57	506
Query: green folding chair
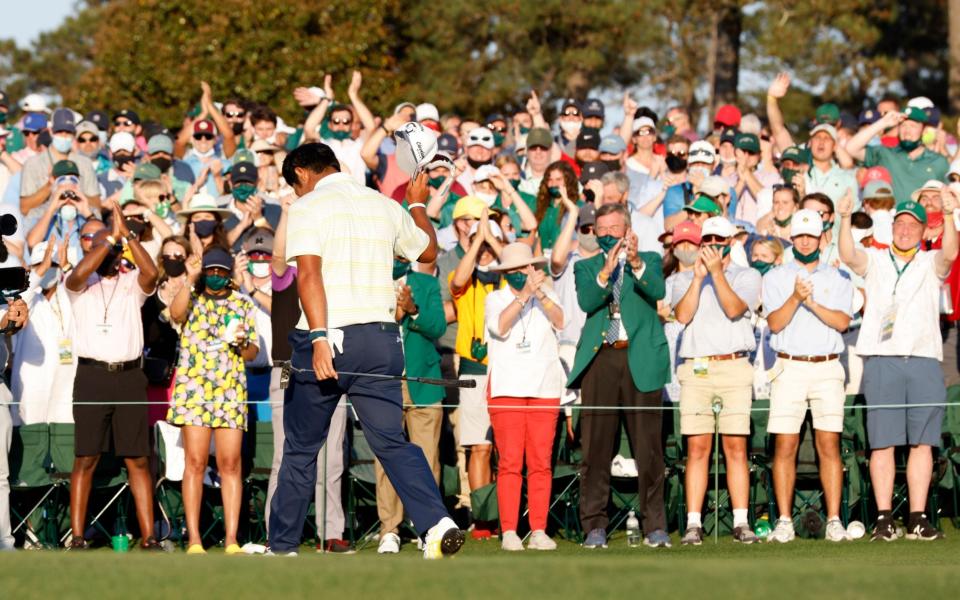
259	478
949	481
35	504
362	518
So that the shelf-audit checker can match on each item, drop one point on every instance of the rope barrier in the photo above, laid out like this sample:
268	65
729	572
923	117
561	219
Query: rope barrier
665	408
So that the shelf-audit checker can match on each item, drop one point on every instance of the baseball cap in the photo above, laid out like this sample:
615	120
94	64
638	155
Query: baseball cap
34	122
954	167
203	126
481	136
260	239
914	209
828	128
539	136
747	142
587	215
868	116
612	144
4	99
427	112
38	252
714	185
87	127
146	172
686	231
128	114
416	146
588	139
447	142
641	122
160	143
932	185
728	115
570	102
494	228
245	155
468	206
65	167
122	141
243	172
217	257
34	103
152	128
701	151
806	222
877	189
494	117
728	134
827	113
64	120
98	118
917	114
878	173
593	108
593	170
703	204
921	102
848	121
484	173
719	226
403	105
792	153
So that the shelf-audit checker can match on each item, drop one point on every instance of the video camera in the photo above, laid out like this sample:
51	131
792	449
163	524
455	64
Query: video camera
13	280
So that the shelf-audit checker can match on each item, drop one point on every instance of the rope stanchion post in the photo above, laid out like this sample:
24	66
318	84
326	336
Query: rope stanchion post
717	405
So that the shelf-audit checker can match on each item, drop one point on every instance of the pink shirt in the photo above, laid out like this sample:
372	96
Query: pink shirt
107	317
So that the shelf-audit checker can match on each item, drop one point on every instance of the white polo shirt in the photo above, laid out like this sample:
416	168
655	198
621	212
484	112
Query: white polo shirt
916	299
107	318
806	334
710	332
357	232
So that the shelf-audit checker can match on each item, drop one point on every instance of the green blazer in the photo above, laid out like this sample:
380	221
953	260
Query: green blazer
647	355
419	336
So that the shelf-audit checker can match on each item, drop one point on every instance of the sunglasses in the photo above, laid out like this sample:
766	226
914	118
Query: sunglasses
235	114
479	138
87	139
174	256
570	113
203	136
123	123
680	154
701	153
341	121
499	129
165	197
954	178
783	186
28	133
586	229
643	132
712	239
88	237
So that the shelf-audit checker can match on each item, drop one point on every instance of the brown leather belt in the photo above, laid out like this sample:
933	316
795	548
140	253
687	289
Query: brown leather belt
618	345
732	356
811	359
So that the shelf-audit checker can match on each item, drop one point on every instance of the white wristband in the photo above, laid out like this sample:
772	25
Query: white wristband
319	92
417	205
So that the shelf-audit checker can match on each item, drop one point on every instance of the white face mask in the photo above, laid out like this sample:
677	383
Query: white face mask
260	269
488	199
50	278
68	212
206	154
571	128
702	170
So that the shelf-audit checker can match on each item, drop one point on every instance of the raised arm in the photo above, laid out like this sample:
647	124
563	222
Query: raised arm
856	146
851	256
311	127
223	126
564	243
778	89
948	252
363	113
417	192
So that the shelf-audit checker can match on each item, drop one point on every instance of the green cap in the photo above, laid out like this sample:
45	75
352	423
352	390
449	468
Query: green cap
748	142
828	113
539	136
792	153
916	114
65	167
703	204
146	171
914	209
244	155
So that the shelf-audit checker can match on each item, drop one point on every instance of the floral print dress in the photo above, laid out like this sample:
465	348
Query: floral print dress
211	383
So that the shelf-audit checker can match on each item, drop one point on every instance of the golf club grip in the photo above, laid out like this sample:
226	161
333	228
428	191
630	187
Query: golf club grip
450	383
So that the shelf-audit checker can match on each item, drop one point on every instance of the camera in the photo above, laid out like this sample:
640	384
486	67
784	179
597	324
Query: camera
68	195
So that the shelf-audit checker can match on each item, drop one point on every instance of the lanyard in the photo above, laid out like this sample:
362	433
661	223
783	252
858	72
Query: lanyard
899	271
103	297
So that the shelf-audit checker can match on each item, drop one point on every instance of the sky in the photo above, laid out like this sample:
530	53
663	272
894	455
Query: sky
23	21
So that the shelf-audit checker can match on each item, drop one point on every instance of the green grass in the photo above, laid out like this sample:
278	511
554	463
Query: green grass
814	569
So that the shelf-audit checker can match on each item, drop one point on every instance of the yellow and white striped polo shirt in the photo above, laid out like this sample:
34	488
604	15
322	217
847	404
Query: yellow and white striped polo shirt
356	231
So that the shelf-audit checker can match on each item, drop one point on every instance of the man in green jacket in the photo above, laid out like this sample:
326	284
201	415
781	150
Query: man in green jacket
622	360
422	322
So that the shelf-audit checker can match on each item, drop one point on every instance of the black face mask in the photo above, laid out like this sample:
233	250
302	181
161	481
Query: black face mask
476	164
174	267
237	128
488	277
613	165
676	164
111	262
162	163
122	161
204	228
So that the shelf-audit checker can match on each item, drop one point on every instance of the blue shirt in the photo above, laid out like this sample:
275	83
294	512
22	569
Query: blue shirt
806	334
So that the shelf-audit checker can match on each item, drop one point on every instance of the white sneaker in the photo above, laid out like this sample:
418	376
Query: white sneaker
389	544
539	540
270	552
443	539
511	542
783	532
836	532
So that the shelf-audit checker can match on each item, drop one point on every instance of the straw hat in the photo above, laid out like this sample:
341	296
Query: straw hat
202	202
517	255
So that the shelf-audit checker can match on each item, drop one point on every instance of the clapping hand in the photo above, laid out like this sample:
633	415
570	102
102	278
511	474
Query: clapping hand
712	259
802	290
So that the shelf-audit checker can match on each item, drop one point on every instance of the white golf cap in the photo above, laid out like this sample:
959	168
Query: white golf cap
480	136
806	222
719	226
714	185
485	172
702	151
954	167
427	112
932	185
34	103
416	147
830	129
122	141
643	122
921	102
494	228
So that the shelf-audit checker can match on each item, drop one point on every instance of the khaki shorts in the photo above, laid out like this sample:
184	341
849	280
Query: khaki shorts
799	385
474	418
729	380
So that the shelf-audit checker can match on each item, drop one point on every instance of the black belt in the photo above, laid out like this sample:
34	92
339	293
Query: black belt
112	367
258	370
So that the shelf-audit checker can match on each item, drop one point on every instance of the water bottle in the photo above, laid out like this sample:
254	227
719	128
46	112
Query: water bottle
633	530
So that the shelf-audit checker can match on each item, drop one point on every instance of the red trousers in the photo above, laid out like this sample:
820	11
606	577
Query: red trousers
518	432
